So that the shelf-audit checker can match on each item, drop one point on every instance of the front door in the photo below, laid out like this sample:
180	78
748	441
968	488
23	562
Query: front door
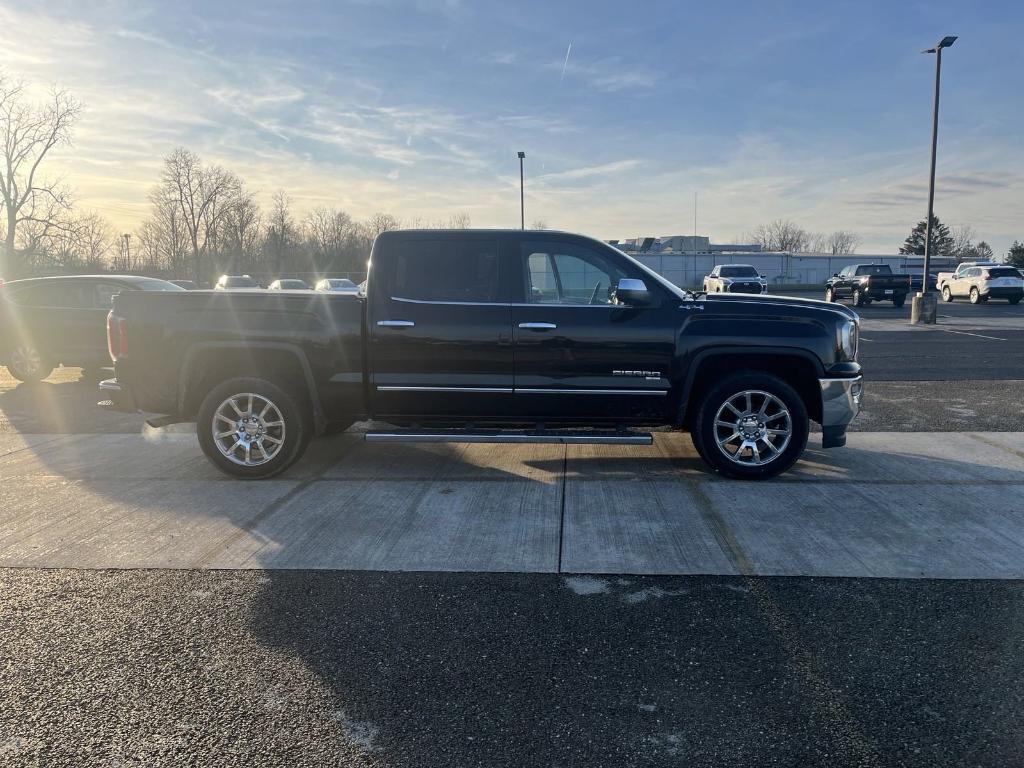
576	353
441	330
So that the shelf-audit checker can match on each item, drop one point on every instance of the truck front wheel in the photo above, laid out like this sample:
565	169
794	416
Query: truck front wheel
251	428
751	426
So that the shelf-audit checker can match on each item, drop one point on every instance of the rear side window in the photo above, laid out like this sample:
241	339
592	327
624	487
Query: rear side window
66	294
446	270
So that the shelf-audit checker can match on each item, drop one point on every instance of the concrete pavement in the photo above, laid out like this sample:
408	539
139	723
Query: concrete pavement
943	505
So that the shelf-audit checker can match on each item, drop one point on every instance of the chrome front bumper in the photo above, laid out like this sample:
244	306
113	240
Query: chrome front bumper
840	404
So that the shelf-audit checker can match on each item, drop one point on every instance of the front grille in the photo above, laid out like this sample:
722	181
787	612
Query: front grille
745	288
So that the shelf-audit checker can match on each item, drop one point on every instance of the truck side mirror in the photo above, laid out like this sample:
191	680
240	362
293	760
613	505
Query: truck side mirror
631	292
835	274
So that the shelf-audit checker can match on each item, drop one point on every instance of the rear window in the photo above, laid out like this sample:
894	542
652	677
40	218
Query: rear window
738	272
874	269
1003	272
447	270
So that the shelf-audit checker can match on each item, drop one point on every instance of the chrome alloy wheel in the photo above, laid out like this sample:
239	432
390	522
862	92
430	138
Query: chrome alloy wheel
248	429
26	361
753	428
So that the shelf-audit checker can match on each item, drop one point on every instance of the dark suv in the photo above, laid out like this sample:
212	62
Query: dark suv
51	321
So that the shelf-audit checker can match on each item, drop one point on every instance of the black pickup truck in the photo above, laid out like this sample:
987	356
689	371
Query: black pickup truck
490	336
865	283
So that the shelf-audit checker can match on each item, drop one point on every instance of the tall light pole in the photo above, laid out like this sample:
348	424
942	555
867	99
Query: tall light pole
127	251
522	196
924	311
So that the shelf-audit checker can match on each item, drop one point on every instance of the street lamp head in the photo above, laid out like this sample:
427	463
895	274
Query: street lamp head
945	42
521	155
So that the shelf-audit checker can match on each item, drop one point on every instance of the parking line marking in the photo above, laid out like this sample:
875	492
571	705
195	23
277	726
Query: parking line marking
965	333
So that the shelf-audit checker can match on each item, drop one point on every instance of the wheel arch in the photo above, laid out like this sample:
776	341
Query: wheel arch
799	368
206	364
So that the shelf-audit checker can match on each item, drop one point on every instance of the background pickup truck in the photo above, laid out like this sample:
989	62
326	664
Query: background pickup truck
865	283
497	336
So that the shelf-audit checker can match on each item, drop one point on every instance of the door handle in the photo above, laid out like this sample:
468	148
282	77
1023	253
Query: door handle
396	323
538	326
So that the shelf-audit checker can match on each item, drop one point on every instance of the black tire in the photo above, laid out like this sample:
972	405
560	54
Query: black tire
899	301
1014	300
295	431
829	295
975	296
27	364
705	436
858	298
947	295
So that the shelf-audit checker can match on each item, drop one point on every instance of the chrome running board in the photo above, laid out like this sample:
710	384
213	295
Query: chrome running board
579	437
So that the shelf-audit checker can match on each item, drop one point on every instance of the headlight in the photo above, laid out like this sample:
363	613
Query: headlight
848	334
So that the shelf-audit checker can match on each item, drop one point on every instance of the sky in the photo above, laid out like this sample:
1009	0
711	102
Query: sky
816	112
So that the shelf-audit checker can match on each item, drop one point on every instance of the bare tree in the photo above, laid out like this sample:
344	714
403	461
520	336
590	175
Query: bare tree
459	220
539	224
963	241
781	235
842	241
381	222
282	235
240	240
203	195
28	132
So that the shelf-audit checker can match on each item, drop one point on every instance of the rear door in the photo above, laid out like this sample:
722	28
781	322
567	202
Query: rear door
440	327
576	353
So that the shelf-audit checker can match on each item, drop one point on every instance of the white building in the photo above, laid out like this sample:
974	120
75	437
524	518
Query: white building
685	260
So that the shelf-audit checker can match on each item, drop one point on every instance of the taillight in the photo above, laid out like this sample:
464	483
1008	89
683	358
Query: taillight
117	336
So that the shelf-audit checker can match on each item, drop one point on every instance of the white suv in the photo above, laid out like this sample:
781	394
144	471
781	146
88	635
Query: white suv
735	278
981	283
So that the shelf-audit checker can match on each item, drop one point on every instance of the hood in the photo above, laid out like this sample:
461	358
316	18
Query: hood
771	300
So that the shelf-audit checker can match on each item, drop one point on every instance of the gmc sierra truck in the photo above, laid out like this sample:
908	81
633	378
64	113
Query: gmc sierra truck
490	336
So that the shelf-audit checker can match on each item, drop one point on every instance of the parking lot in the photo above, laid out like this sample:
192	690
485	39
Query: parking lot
409	605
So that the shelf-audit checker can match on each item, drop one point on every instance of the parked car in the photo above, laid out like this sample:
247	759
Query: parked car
865	283
51	321
945	277
188	285
236	283
491	336
979	284
289	284
337	285
735	278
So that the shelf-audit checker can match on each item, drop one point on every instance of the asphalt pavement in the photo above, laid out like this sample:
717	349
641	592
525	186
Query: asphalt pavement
324	668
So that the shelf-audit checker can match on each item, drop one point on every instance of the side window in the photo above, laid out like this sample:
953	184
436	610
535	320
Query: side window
846	272
104	294
565	273
447	270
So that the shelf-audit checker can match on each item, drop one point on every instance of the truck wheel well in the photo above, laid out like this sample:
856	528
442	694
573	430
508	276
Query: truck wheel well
796	371
208	367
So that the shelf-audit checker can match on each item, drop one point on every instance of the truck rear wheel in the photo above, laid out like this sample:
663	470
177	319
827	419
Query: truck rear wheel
899	301
751	426
251	428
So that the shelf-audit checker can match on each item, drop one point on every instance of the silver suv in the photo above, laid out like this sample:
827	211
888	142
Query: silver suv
735	278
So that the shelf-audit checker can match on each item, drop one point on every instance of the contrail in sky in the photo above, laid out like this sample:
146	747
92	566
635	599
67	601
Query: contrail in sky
566	62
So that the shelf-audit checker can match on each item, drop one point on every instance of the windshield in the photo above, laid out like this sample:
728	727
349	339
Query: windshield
158	285
738	272
342	283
